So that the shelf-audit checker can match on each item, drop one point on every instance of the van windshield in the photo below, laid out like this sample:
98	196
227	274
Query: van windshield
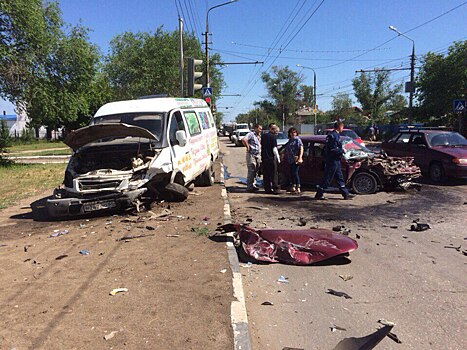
152	121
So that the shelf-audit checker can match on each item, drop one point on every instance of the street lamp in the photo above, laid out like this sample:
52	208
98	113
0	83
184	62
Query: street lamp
411	89
206	37
314	91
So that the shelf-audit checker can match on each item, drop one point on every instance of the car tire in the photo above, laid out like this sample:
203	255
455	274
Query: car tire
207	177
364	183
174	192
436	172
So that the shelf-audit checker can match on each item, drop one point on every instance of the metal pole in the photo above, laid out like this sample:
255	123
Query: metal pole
206	37
206	48
314	98
412	83
180	28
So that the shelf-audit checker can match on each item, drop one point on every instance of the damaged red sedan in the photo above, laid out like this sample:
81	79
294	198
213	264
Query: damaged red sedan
365	172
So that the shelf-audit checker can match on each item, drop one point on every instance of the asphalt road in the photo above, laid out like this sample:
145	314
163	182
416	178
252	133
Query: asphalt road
415	279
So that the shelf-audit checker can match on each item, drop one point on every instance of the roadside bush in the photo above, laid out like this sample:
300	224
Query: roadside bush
27	135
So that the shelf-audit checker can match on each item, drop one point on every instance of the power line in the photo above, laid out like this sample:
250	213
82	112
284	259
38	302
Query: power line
307	51
183	14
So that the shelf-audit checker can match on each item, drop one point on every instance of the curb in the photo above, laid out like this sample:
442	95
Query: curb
238	315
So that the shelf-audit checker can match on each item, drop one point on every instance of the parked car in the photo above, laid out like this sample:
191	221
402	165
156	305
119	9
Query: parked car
365	172
282	139
136	151
439	154
238	136
347	132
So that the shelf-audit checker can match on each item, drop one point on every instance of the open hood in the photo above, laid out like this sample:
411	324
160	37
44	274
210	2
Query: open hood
91	133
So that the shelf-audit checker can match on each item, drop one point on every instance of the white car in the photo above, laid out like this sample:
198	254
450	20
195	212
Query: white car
238	136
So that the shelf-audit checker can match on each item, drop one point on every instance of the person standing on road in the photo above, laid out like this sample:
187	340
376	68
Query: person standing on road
333	152
252	142
294	154
270	159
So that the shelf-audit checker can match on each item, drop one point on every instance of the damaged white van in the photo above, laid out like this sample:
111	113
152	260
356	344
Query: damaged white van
135	152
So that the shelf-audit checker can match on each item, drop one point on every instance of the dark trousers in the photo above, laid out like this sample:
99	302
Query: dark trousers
270	177
294	167
331	169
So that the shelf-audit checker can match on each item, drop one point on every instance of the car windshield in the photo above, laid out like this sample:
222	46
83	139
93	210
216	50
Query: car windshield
281	135
243	133
152	121
354	149
350	133
446	139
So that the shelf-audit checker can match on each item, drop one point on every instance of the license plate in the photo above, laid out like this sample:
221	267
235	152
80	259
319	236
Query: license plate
93	206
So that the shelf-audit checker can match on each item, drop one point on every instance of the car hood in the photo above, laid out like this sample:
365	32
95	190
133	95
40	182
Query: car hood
91	133
457	152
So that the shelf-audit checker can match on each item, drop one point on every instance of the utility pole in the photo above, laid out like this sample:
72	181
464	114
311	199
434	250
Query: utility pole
206	38
410	89
180	29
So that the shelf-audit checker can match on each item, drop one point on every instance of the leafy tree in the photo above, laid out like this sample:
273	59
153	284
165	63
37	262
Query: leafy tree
441	80
283	87
5	139
341	104
28	30
374	92
148	63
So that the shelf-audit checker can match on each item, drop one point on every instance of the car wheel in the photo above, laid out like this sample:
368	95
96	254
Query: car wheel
174	192
364	183
436	172
207	177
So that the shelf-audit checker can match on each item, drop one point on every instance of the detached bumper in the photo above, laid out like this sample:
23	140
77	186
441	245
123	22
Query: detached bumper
74	206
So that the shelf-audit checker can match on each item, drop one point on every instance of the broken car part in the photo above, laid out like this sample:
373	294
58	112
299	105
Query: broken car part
338	294
298	247
365	343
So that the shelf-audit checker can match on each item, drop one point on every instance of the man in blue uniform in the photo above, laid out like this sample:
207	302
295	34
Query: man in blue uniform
333	152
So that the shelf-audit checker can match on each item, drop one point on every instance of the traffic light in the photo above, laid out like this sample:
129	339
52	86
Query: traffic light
193	75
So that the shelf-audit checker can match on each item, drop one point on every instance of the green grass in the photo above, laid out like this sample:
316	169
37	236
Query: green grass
36	145
19	181
56	152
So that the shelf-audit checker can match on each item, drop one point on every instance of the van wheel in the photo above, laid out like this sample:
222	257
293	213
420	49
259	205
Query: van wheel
174	192
207	177
364	183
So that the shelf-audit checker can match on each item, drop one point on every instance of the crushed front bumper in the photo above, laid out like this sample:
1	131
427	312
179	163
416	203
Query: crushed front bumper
74	206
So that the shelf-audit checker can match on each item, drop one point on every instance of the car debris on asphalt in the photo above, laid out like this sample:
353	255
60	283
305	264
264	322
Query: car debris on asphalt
127	238
283	279
60	257
297	247
418	226
110	335
58	233
364	343
338	294
346	277
84	252
336	328
267	303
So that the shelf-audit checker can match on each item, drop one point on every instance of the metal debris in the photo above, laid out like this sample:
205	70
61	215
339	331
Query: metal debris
110	335
336	328
365	343
283	279
84	252
268	303
386	322
338	294
394	337
60	257
126	238
418	226
59	233
346	277
118	290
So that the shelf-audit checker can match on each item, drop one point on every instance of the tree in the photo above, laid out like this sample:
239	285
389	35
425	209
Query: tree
373	92
441	80
45	71
341	104
283	90
148	63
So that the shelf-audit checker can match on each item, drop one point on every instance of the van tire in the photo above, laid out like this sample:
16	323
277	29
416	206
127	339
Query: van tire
174	192
207	177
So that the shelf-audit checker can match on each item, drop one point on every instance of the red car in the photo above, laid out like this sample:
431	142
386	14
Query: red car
347	132
364	171
439	154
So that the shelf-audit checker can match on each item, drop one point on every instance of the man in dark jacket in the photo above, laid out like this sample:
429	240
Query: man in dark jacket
333	152
270	159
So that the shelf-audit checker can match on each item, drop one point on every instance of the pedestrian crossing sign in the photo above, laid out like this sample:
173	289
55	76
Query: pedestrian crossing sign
207	92
459	106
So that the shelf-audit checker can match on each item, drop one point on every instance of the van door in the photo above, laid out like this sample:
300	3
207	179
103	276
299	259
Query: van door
197	147
181	156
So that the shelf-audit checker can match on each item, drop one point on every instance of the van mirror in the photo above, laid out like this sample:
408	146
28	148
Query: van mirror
180	135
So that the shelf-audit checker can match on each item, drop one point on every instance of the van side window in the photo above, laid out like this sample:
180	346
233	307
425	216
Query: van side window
193	123
211	120
176	123
204	120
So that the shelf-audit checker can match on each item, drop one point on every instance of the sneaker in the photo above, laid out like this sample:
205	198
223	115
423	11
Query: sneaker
349	197
293	190
319	198
298	190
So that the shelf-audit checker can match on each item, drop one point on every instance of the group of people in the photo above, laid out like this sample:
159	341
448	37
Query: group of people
262	152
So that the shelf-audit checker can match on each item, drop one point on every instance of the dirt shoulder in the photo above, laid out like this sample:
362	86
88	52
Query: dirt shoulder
177	295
